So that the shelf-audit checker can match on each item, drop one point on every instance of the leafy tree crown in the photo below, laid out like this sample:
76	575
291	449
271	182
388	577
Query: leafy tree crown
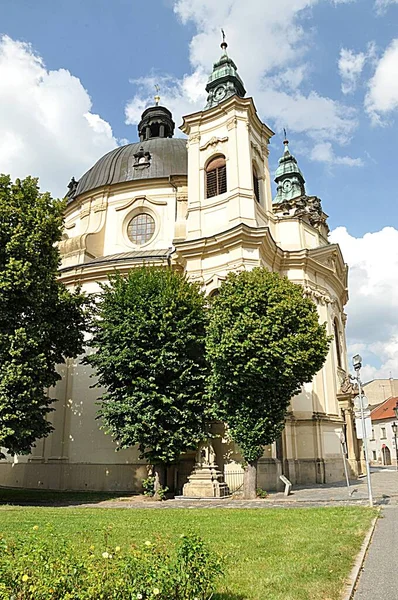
41	322
264	341
149	354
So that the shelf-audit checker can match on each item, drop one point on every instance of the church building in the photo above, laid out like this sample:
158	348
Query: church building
201	204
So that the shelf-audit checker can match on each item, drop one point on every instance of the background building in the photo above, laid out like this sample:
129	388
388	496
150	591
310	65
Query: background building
379	390
382	445
203	205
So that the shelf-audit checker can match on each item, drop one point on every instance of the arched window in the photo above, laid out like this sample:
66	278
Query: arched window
256	185
216	177
337	342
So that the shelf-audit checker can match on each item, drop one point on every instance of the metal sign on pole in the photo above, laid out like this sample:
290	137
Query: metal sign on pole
367	424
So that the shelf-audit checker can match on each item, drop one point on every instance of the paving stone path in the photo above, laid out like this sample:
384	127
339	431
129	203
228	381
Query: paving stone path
384	484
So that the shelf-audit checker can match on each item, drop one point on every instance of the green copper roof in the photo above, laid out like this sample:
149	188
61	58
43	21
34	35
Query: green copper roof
287	164
224	81
288	177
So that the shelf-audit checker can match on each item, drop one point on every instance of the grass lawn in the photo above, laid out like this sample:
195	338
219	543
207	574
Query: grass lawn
271	554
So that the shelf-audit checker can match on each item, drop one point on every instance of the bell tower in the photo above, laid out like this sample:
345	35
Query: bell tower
228	174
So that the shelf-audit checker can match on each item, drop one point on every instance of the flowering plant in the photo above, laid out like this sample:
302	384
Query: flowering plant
40	566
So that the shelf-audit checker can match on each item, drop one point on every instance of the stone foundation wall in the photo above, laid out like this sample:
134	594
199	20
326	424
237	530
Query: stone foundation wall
77	477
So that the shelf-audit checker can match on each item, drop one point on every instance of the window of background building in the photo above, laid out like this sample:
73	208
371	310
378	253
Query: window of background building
141	229
383	433
216	177
374	455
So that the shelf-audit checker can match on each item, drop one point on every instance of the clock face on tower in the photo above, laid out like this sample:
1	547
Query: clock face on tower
219	92
287	185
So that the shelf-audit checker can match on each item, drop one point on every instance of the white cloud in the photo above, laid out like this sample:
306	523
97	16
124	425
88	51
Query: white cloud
382	96
269	41
381	5
350	69
372	326
47	128
323	152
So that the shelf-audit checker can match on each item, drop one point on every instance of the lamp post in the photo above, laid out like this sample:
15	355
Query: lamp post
394	428
357	364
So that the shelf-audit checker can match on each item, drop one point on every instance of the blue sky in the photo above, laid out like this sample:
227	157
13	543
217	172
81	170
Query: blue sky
76	76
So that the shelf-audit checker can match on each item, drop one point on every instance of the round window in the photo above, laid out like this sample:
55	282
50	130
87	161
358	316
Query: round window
141	228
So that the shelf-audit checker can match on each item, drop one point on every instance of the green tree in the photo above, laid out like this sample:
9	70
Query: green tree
264	341
41	322
149	355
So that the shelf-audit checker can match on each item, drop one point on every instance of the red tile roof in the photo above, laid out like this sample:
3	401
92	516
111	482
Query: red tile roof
385	410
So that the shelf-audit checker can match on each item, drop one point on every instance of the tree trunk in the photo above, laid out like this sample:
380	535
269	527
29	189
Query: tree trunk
159	472
250	481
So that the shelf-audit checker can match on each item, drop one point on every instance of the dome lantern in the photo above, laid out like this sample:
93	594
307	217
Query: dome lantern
156	122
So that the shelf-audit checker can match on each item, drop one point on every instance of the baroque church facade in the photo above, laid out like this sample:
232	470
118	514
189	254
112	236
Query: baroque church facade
202	205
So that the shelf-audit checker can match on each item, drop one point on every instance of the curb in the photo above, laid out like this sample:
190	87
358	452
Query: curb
360	559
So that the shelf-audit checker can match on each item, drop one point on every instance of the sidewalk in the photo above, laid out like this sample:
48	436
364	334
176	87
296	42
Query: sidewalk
379	577
384	484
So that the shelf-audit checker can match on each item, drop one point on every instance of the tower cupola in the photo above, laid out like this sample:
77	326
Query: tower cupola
288	177
224	81
156	122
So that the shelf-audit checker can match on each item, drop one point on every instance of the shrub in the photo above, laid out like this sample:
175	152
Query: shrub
148	485
41	567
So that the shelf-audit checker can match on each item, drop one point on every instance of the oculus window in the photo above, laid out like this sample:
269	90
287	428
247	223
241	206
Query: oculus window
141	229
216	177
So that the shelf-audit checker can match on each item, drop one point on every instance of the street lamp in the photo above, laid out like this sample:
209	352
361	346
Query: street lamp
357	364
394	428
396	409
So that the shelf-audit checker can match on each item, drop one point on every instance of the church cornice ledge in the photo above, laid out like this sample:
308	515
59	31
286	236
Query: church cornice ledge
234	102
325	260
99	268
133	186
240	234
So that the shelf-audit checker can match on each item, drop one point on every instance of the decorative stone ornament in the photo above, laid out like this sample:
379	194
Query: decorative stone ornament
142	159
72	187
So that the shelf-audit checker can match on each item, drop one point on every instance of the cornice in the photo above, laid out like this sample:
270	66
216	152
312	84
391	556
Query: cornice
278	259
235	102
130	186
250	236
94	273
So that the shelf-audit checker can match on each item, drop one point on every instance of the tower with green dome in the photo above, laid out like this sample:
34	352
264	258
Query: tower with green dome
224	81
289	179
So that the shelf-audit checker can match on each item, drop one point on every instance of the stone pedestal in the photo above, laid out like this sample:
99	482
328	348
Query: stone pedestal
206	480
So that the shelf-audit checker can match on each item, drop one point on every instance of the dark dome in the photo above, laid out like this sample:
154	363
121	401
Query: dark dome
150	159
